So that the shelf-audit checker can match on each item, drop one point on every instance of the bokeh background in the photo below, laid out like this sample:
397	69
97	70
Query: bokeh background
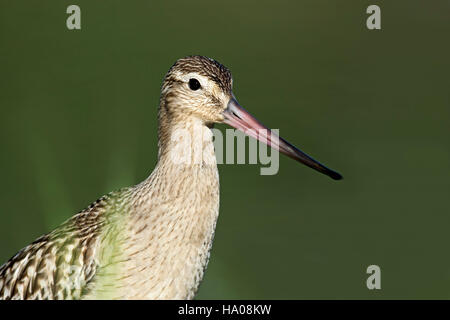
78	119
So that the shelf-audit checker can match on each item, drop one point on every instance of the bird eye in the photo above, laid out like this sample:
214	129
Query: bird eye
194	84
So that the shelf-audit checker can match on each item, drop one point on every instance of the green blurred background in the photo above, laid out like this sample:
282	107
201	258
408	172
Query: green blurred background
78	119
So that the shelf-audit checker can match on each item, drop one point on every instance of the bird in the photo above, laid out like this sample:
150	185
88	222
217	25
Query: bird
151	240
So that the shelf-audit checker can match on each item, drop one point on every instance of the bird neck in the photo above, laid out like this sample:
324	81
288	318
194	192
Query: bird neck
186	154
184	140
173	216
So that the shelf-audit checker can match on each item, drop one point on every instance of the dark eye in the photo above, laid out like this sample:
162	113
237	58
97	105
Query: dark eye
194	84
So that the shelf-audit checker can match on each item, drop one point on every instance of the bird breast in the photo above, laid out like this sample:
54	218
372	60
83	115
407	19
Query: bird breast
165	246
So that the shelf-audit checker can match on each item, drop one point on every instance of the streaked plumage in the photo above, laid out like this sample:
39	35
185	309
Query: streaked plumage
152	240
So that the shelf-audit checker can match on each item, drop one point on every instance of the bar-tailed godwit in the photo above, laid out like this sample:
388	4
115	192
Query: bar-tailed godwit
152	240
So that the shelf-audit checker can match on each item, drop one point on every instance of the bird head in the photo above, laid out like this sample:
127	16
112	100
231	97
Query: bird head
200	87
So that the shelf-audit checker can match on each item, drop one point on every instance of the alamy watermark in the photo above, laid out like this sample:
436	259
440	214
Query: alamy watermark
374	280
73	21
189	146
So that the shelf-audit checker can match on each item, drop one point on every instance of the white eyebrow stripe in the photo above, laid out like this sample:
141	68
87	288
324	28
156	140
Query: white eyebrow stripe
205	82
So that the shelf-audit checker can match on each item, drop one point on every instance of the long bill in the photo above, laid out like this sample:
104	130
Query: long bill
239	118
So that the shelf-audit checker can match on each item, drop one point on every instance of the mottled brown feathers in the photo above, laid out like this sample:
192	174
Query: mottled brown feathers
58	265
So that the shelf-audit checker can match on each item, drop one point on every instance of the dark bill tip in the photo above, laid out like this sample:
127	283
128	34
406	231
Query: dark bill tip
335	176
